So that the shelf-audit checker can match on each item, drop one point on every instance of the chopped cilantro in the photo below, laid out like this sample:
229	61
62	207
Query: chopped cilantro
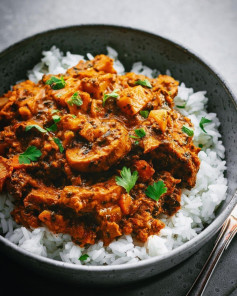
181	106
31	154
53	127
56	118
75	100
56	83
144	82
144	113
128	179
202	122
59	143
54	111
156	190
140	132
200	145
39	128
187	131
83	257
113	94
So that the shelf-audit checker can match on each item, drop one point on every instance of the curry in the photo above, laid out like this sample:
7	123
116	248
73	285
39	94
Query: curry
95	154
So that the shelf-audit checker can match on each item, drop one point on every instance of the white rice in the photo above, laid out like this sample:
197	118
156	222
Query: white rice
197	205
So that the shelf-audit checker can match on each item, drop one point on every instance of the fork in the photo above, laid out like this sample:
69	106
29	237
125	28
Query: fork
225	236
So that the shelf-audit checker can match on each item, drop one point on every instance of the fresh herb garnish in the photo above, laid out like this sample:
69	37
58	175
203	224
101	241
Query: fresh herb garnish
40	129
144	82
113	94
75	100
181	106
83	257
31	154
56	83
73	116
202	122
56	118
140	132
200	146
144	113
187	131
59	143
54	111
156	190
53	127
128	179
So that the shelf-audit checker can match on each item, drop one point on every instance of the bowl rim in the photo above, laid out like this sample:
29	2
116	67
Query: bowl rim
210	230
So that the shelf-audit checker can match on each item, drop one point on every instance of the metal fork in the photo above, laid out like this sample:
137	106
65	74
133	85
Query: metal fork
228	231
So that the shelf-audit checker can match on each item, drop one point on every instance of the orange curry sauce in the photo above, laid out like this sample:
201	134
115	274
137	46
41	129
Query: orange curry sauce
62	146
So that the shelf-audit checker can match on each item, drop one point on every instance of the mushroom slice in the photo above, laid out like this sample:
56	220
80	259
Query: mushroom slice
108	149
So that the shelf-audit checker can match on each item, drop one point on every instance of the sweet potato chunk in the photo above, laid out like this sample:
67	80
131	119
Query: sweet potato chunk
38	198
3	101
87	198
133	99
160	116
97	86
5	171
104	63
168	83
145	171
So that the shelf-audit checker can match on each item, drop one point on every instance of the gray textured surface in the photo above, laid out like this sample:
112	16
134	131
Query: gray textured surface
207	27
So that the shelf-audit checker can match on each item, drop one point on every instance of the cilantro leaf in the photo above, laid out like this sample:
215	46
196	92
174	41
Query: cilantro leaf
140	132
59	143
181	106
202	122
75	100
31	154
40	129
144	82
56	83
187	131
200	146
128	179
54	111
144	113
56	118
53	127
113	94
156	190
83	257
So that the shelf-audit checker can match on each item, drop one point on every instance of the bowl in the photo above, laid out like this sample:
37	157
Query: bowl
155	52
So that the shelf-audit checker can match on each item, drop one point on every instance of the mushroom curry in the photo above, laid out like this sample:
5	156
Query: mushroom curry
95	154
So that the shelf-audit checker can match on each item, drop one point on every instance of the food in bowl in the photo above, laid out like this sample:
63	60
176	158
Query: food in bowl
101	158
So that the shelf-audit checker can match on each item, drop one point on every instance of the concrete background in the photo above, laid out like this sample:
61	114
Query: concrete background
207	27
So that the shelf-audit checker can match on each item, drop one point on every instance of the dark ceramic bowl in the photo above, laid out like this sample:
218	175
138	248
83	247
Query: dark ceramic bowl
156	52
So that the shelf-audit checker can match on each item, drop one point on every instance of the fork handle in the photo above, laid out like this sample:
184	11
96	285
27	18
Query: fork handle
225	236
